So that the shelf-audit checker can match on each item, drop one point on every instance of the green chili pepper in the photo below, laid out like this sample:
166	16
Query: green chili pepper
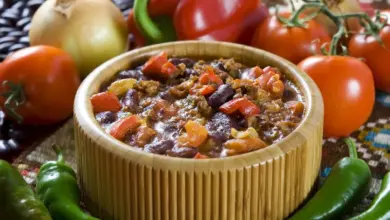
379	209
158	30
57	188
347	184
17	199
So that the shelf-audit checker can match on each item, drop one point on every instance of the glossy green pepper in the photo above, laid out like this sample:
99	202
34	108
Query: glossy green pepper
17	200
380	207
58	189
347	184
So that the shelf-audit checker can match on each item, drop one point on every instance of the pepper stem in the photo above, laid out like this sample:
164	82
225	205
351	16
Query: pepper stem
146	25
351	147
60	157
15	97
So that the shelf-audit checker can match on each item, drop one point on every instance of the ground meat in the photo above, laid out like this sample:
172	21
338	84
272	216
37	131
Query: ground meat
181	90
150	87
144	135
202	106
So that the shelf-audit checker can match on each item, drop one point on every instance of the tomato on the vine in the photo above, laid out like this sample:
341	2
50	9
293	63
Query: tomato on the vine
291	43
38	85
347	87
376	56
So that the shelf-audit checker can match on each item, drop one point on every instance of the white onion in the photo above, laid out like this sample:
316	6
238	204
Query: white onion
91	31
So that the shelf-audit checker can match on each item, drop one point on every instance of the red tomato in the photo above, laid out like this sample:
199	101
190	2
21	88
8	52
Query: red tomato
48	78
347	87
376	56
291	43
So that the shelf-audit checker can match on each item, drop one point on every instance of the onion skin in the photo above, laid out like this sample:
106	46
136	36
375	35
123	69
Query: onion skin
91	31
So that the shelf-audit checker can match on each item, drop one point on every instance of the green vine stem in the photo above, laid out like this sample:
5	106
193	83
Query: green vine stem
15	97
372	27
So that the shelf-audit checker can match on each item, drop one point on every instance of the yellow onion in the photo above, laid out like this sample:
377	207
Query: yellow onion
340	7
91	31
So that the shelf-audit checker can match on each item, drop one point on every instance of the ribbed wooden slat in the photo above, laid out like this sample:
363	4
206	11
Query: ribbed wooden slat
119	182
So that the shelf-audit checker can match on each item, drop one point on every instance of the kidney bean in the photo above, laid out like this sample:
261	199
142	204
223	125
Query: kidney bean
34	4
16	34
223	94
23	22
13	145
220	125
106	117
27	27
183	152
18	5
131	100
4	149
186	61
4	46
24	40
5	4
10	15
16	47
5	22
135	74
26	12
219	66
159	147
8	39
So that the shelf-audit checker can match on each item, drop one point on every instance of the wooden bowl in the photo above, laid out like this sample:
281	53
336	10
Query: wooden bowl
120	182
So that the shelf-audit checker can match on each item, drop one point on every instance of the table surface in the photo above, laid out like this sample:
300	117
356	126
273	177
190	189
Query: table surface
30	146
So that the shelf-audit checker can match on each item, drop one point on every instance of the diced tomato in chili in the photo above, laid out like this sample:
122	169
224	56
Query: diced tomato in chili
245	106
255	72
195	136
200	156
120	128
105	101
210	77
270	69
155	63
207	90
168	69
244	145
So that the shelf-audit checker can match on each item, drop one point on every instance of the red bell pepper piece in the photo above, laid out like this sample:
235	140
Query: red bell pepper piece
200	156
120	128
221	20
105	101
210	77
243	105
168	69
159	65
207	90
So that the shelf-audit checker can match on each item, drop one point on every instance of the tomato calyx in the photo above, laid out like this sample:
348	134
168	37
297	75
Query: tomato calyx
15	97
295	20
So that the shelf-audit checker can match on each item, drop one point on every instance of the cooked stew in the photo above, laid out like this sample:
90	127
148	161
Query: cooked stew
184	108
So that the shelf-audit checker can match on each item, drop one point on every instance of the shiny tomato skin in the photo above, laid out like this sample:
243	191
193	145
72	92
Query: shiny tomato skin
375	56
347	87
49	78
291	43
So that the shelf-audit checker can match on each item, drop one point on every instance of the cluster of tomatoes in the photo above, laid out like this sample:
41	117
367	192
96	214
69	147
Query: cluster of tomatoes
347	82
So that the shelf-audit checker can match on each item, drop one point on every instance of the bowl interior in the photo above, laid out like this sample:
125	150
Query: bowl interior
201	50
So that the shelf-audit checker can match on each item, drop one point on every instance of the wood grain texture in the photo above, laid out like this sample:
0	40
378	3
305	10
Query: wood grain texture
120	182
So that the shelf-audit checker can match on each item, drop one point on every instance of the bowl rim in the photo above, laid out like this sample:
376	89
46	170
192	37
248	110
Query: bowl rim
84	116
